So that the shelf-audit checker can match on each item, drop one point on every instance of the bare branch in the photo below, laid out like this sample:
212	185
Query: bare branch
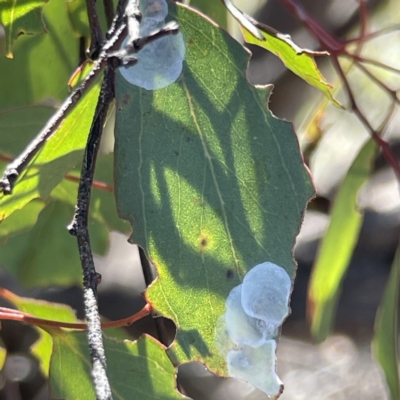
96	34
79	228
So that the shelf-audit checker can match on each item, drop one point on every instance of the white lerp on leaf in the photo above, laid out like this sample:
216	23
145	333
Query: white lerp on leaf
246	335
265	293
242	329
160	62
256	366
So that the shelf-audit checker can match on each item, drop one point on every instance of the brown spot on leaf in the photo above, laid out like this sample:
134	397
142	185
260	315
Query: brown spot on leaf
203	242
126	99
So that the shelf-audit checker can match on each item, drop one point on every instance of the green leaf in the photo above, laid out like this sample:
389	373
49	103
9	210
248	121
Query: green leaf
59	155
136	370
211	182
48	254
43	347
337	245
42	64
214	9
21	16
299	61
385	341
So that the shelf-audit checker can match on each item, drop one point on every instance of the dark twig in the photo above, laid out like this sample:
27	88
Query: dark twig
96	34
109	11
120	16
127	55
79	228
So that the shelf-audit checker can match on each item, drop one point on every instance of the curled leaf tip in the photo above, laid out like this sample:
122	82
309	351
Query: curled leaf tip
243	20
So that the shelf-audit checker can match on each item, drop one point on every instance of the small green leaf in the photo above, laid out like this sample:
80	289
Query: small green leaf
337	245
21	16
136	370
211	182
299	61
59	155
385	341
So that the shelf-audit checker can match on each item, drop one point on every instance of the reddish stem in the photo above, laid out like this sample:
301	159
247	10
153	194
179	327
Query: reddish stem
376	63
326	40
16	315
389	156
363	18
372	35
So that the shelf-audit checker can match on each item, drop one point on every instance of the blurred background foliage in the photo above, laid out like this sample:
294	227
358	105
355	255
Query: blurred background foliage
348	275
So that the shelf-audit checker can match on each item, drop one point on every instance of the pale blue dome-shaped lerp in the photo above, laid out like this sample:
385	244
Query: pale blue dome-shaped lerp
265	293
159	63
246	333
